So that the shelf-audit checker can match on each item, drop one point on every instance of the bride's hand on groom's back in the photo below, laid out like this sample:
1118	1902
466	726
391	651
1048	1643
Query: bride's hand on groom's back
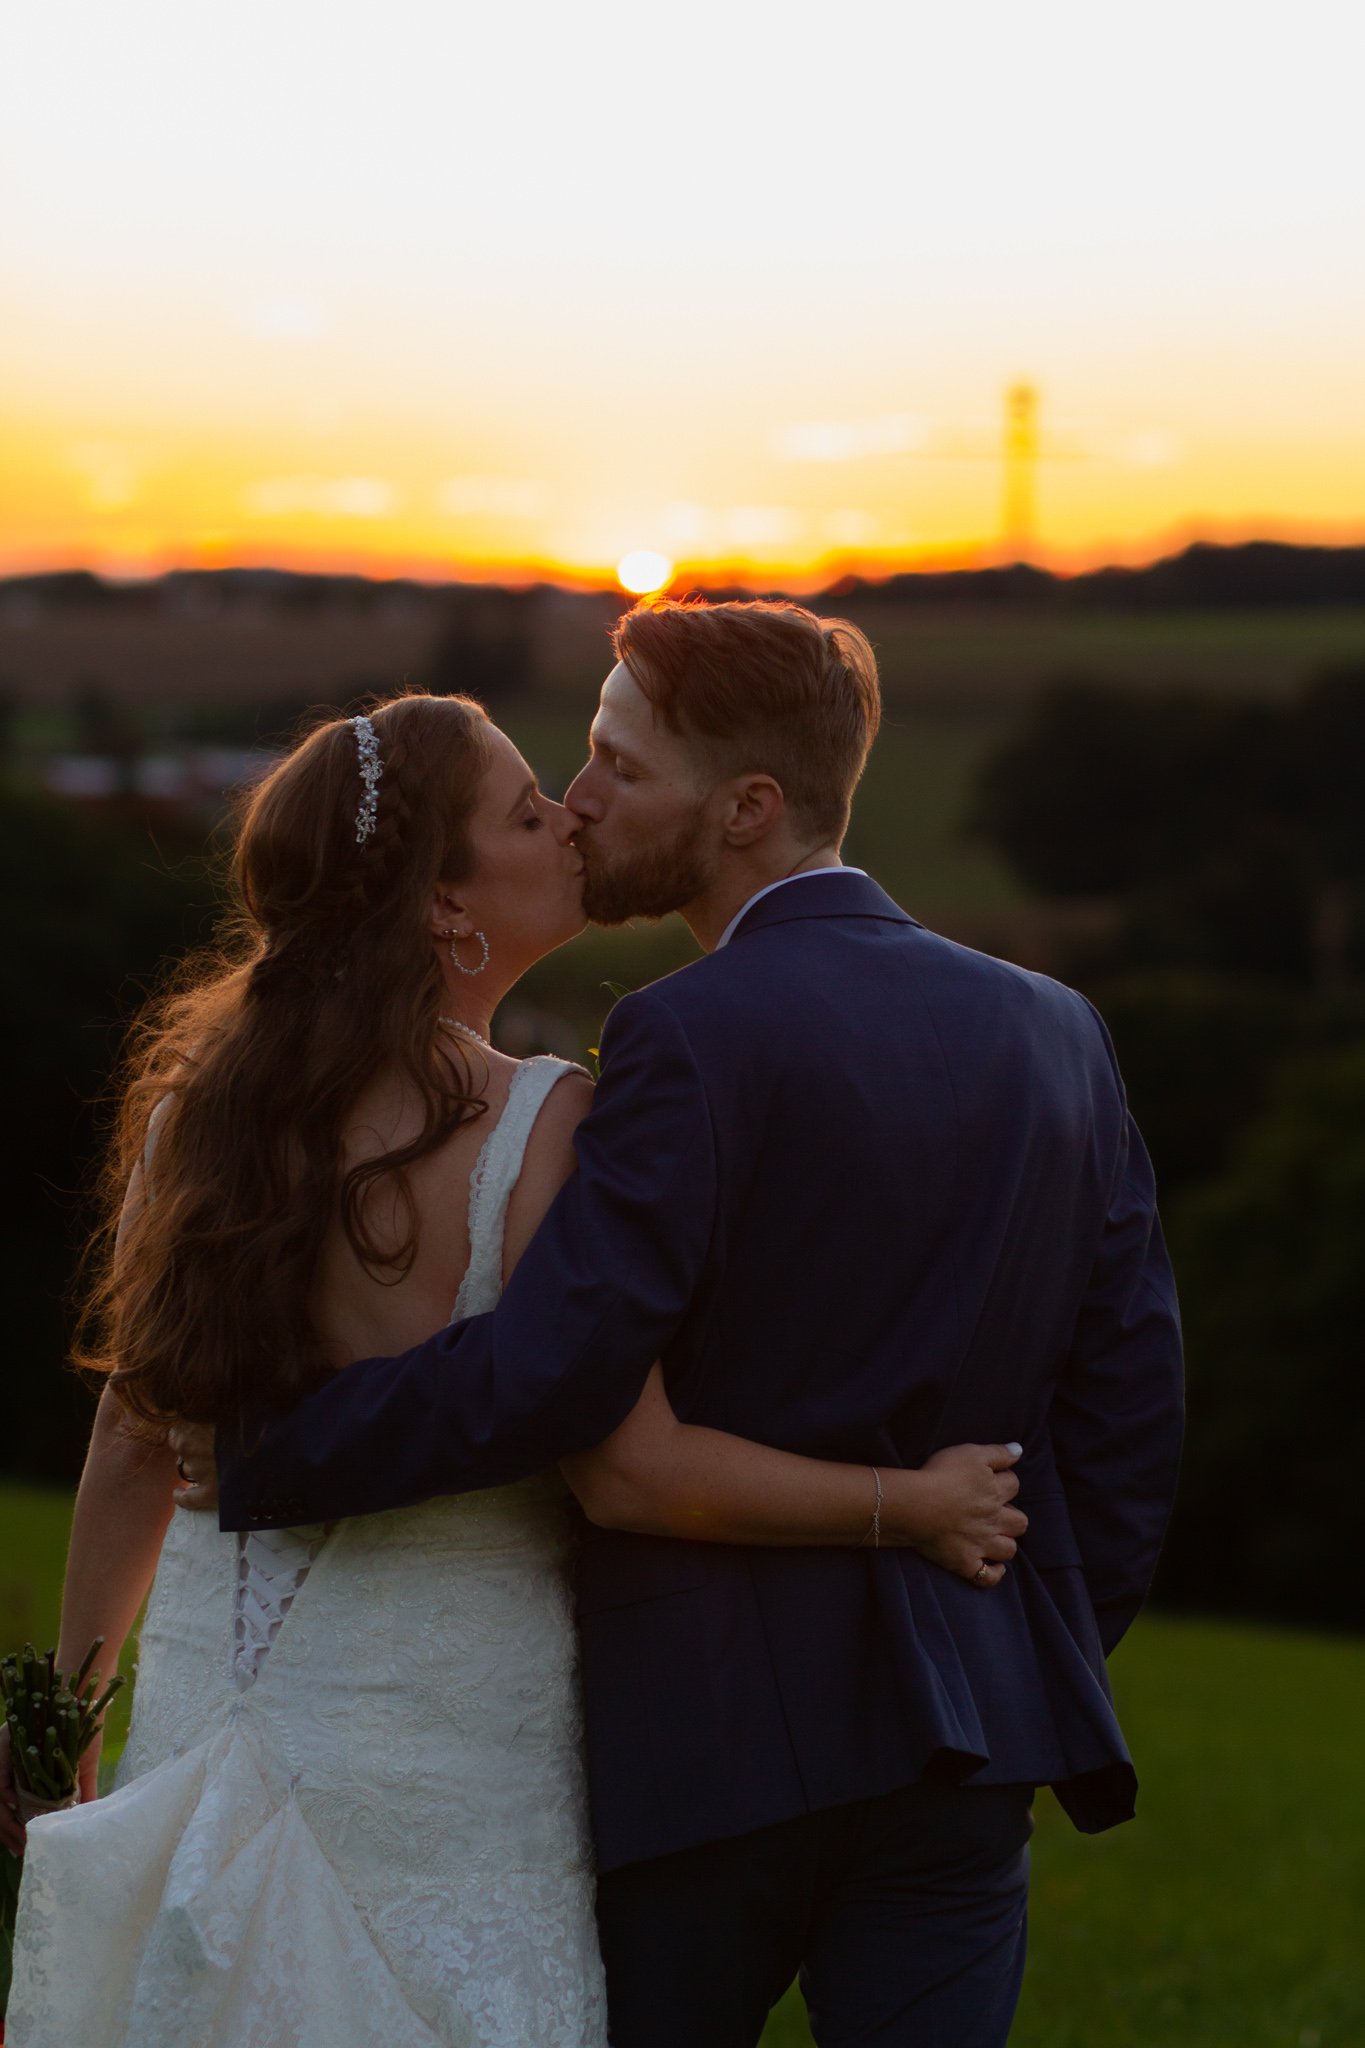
956	1510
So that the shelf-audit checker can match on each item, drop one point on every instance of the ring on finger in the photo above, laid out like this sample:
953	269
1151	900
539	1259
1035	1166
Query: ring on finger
979	1574
180	1468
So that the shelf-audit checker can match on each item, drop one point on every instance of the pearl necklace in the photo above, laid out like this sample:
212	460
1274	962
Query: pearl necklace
466	1031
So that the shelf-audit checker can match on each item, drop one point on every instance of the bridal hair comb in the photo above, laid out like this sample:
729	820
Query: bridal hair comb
371	768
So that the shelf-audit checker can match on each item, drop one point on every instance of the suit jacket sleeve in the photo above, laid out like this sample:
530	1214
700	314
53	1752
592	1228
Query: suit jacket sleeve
1117	1415
562	1360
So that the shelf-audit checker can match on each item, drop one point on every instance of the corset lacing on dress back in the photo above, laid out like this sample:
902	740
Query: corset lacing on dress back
352	1804
272	1564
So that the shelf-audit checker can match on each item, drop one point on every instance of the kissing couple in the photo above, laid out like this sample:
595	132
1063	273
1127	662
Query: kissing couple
840	1305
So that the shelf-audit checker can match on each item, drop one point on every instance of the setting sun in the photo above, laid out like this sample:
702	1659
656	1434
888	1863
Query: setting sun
222	345
642	572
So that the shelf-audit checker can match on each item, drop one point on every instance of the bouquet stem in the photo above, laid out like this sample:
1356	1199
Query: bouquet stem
52	1721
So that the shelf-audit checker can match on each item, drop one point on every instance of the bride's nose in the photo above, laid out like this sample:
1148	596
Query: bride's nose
562	821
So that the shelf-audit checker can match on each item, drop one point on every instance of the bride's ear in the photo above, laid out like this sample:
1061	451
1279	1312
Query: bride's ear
448	913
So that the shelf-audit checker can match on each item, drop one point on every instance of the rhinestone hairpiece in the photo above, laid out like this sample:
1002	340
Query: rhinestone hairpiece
371	768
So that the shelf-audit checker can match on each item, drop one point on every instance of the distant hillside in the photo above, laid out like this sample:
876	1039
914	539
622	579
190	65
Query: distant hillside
232	654
1258	575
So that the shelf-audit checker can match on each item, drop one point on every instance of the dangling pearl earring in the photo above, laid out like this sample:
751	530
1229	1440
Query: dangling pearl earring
454	953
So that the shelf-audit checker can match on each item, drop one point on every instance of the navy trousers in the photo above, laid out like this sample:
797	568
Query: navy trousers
905	1916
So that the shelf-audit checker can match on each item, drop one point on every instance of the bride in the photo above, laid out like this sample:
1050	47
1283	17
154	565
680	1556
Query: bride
351	1807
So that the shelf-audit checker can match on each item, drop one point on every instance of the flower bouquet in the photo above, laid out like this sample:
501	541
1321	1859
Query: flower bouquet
52	1721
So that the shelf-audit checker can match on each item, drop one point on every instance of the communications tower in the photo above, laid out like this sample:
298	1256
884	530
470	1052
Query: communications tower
1019	535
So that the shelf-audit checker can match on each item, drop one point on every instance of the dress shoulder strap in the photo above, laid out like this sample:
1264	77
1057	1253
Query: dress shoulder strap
496	1172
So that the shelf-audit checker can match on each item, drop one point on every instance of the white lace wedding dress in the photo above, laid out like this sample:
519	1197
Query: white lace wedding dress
351	1810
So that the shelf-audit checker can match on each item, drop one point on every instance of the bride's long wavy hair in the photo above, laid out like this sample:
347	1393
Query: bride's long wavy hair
239	1080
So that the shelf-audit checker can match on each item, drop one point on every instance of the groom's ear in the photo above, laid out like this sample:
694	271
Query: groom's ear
754	807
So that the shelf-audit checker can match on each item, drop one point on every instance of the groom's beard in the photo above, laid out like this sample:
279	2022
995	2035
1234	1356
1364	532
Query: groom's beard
662	877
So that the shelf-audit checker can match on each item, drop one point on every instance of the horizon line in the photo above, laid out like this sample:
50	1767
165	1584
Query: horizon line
737	572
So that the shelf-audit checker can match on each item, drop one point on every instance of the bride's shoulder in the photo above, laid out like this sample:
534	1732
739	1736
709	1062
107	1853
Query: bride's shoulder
549	1157
565	1101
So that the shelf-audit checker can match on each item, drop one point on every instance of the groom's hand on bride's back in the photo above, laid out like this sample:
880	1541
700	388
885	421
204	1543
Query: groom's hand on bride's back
192	1444
956	1510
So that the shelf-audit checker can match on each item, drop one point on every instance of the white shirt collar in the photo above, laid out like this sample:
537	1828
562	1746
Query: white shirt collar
805	875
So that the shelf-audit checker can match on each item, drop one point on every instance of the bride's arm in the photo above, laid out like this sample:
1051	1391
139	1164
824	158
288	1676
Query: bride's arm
123	1505
658	1476
124	1502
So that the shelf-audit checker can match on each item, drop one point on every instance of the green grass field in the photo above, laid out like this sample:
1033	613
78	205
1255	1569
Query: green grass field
932	657
34	1522
912	804
1228	1915
955	658
957	682
911	801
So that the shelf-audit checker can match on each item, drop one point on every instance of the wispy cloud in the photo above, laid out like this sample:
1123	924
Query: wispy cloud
704	530
895	433
282	319
851	527
974	440
346	497
110	471
493	497
686	525
1151	448
760	526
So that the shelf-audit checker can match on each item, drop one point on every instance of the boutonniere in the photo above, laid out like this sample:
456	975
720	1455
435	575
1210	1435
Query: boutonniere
615	989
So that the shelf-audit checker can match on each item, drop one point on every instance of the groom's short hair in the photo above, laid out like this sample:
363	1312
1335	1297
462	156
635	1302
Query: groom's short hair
766	688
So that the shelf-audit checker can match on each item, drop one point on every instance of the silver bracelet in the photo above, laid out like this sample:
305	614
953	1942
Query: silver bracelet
875	1532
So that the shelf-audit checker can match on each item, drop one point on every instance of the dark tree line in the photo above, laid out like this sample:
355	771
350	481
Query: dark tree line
1231	836
1232	830
88	911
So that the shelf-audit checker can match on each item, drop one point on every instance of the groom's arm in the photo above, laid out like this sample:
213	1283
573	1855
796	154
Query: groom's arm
1118	1412
563	1359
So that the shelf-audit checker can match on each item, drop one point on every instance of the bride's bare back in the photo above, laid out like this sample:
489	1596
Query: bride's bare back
362	1315
380	1813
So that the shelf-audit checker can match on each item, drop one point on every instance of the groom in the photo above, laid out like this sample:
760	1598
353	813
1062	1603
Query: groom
866	1193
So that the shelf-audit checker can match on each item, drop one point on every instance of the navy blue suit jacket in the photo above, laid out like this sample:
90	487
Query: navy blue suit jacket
867	1193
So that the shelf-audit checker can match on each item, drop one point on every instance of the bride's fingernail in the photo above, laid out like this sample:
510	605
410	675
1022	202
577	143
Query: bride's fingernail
1015	1450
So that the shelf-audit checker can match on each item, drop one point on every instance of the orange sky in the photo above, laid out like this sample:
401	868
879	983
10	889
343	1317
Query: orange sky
743	285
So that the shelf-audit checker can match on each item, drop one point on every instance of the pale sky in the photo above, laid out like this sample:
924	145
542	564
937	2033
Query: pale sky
417	286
